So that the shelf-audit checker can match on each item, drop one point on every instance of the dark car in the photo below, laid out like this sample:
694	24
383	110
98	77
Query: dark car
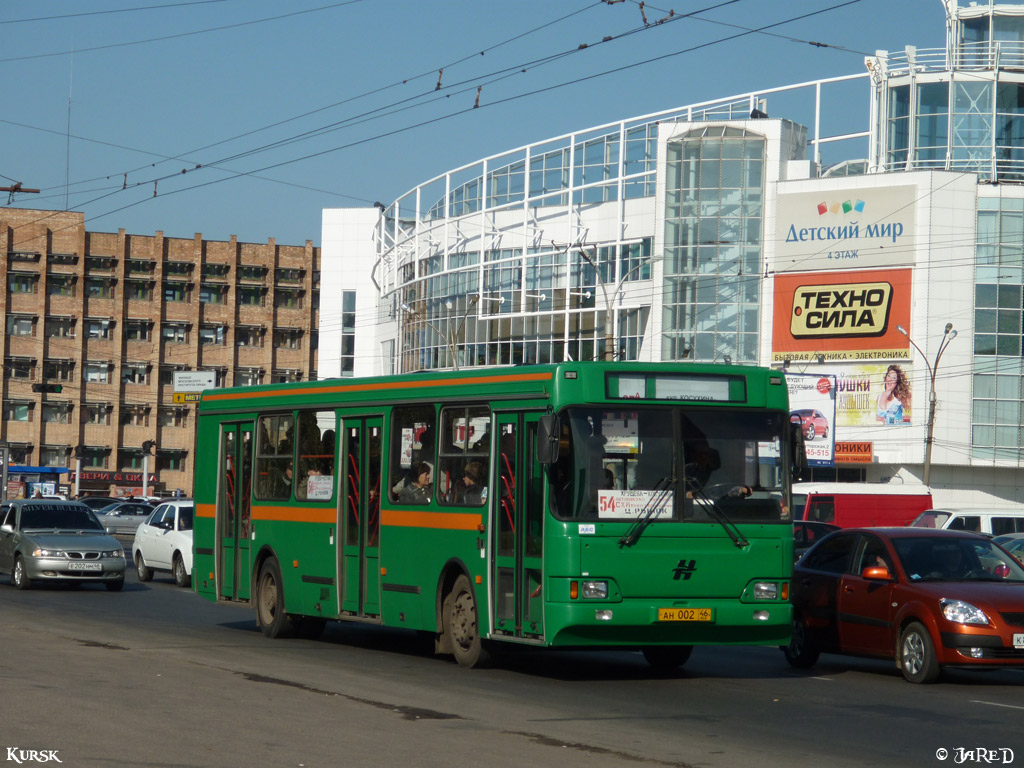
926	598
57	541
96	503
811	421
806	534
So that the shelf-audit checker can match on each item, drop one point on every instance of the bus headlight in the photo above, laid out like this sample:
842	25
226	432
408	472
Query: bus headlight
595	590
766	590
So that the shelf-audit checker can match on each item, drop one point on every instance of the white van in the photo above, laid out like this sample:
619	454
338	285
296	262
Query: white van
994	521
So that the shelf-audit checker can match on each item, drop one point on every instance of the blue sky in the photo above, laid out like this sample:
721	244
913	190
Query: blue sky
248	117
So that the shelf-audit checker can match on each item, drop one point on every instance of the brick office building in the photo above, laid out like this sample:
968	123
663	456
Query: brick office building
109	317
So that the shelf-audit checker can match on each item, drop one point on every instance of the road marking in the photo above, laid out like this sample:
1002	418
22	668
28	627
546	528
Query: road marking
995	704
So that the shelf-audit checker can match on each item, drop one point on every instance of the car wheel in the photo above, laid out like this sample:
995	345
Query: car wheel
462	626
116	585
801	652
270	615
916	657
824	434
19	578
666	659
144	572
181	578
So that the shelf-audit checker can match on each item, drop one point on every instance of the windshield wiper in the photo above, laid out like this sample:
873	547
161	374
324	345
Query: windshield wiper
721	518
662	489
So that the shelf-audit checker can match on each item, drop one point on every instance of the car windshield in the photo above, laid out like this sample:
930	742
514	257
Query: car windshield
677	464
45	516
956	559
930	519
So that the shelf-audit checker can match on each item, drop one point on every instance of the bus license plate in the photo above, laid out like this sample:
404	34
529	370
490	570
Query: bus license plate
85	566
685	614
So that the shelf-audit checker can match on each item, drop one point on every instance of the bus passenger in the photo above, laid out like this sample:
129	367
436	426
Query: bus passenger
418	491
473	477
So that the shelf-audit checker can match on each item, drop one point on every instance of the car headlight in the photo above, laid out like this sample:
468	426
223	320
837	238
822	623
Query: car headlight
963	613
40	552
112	553
595	590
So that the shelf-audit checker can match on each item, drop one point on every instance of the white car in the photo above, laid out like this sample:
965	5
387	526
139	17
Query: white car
164	542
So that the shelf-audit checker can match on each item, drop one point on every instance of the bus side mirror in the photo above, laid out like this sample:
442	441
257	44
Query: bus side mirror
548	431
798	461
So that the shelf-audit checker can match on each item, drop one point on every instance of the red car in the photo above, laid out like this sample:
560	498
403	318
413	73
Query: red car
926	598
811	421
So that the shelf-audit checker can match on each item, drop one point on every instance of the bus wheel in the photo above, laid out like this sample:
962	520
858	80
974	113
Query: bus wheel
270	615
462	626
666	659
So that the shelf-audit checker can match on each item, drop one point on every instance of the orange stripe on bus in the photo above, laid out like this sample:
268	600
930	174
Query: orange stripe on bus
295	514
451	521
341	389
206	510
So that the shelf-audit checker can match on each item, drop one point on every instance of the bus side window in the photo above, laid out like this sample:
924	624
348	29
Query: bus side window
274	448
463	458
412	444
315	475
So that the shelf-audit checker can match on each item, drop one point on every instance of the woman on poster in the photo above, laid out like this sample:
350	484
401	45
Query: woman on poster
895	397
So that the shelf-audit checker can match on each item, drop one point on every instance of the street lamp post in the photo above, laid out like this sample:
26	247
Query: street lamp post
609	316
451	338
947	336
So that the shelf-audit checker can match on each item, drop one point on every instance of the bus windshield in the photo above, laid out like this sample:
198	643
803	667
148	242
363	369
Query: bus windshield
671	464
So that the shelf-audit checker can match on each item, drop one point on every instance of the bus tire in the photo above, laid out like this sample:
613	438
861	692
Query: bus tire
666	659
461	625
270	616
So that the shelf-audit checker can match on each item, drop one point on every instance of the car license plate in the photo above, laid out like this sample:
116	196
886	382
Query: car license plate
685	614
1018	641
85	566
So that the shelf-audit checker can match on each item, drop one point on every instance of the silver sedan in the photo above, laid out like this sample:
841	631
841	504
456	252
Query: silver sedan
124	517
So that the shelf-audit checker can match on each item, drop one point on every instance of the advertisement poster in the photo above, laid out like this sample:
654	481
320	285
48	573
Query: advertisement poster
874	394
841	317
812	403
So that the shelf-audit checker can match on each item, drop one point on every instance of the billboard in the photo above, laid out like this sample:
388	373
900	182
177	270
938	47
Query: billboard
841	316
812	404
857	227
874	394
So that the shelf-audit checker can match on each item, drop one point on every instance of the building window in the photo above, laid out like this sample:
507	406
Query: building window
252	273
21	325
212	334
97	373
288	338
248	377
174	333
63	258
289	275
53	455
251	297
97	413
58	370
167	374
20	367
59	327
19	453
135	373
348	333
285	377
96	457
129	459
216	271
99	263
16	410
135	415
213	294
176	292
138	330
99	287
248	336
59	285
141	266
288	298
22	282
56	413
138	290
171	461
98	329
173	417
178	268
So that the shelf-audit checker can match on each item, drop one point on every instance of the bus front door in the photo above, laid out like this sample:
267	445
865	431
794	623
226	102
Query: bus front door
518	528
360	517
234	511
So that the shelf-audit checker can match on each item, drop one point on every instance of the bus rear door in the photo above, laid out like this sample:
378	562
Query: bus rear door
360	469
516	504
234	511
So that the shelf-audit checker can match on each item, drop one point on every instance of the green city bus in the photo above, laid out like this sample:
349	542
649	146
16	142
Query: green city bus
579	505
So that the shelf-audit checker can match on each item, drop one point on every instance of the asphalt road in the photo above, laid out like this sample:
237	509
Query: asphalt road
155	676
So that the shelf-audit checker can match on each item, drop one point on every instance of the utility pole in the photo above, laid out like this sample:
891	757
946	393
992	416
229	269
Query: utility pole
14	189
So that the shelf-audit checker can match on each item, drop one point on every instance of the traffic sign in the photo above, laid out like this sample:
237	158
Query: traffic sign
186	397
